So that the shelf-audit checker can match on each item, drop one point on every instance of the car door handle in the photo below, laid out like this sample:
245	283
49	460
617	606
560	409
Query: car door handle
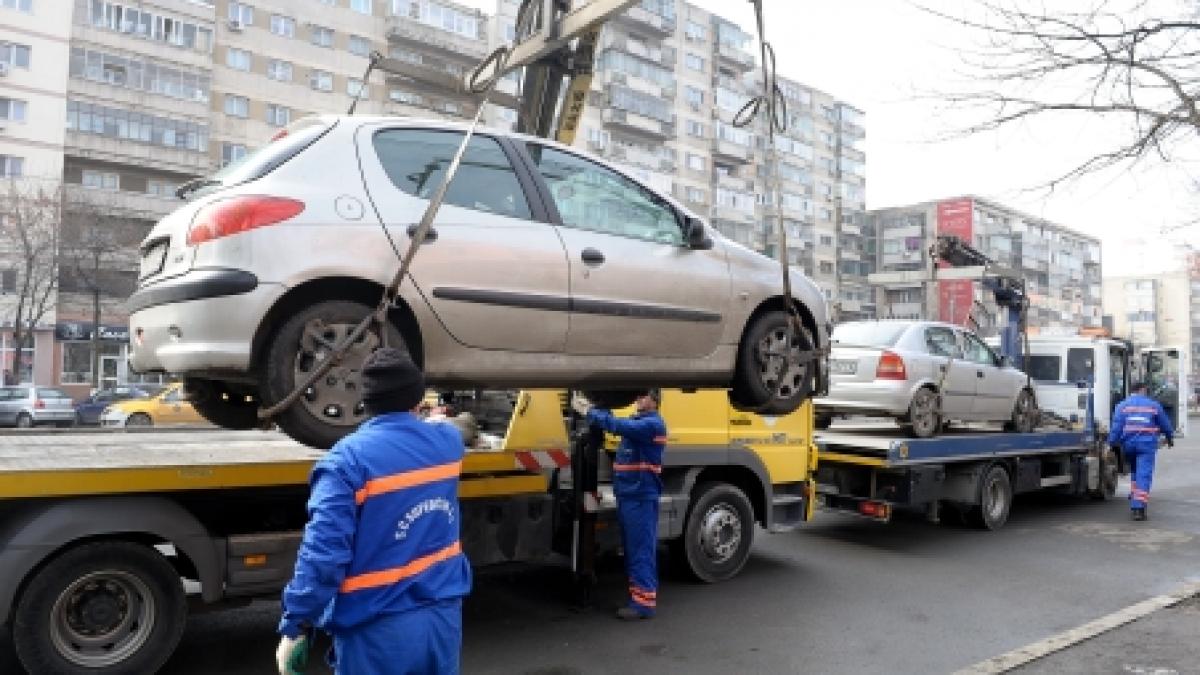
430	236
591	256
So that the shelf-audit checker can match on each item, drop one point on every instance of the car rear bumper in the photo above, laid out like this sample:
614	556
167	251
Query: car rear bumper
202	320
40	416
877	397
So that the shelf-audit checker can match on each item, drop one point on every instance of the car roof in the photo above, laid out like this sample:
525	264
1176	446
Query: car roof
908	322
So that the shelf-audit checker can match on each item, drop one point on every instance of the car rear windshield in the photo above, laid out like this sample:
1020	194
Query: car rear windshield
1043	367
46	392
869	333
272	155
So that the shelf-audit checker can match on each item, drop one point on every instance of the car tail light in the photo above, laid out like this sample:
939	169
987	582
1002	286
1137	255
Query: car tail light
239	214
39	403
891	367
282	133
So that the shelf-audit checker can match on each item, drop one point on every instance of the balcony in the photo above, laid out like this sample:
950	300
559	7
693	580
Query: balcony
641	158
731	182
649	87
847	228
737	58
402	29
733	84
662	56
127	204
904	309
848	254
732	214
634	122
643	19
731	151
121	151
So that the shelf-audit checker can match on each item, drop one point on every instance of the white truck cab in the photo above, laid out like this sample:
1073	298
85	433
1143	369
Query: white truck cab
1062	367
1164	370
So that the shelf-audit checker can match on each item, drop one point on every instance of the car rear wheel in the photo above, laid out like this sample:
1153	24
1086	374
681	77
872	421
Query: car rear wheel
332	407
24	421
1024	415
139	420
924	417
770	377
223	404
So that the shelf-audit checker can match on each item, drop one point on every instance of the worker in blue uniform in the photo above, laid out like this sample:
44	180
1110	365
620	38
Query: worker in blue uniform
637	484
1136	424
380	567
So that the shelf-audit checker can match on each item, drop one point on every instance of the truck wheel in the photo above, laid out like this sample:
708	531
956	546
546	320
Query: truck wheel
759	385
332	407
1108	476
101	609
717	536
995	499
222	404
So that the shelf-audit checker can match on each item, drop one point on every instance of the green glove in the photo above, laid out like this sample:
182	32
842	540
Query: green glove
298	660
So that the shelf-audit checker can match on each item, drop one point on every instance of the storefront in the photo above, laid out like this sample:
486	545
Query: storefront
73	350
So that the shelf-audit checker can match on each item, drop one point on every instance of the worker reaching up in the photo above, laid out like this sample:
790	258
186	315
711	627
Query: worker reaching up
1135	428
637	484
380	567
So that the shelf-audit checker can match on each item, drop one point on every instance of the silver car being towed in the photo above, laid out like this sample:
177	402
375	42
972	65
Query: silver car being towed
925	374
545	268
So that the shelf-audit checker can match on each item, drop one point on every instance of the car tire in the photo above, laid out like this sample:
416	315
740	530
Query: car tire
995	495
1025	414
139	420
222	404
754	389
333	407
123	578
924	418
24	421
718	533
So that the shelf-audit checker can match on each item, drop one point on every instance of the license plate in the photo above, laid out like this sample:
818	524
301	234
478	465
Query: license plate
844	367
152	262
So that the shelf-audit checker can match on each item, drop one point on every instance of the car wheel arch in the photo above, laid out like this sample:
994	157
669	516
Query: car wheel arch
338	288
776	303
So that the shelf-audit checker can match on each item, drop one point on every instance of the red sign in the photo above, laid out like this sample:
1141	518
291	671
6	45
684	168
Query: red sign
956	217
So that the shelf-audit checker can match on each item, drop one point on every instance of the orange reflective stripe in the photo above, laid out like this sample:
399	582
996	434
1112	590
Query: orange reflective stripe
648	594
660	439
391	576
407	479
640	466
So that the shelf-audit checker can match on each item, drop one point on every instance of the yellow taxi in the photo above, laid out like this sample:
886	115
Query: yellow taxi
170	406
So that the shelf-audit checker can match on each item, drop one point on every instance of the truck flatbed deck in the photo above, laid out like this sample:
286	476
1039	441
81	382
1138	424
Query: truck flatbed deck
891	448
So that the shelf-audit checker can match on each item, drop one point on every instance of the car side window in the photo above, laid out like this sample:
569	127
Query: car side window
173	396
977	351
592	197
416	161
942	342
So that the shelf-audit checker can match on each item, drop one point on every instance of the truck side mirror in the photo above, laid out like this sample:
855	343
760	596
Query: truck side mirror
694	234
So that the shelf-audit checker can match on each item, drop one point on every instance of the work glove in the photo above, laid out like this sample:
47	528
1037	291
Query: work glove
292	655
581	405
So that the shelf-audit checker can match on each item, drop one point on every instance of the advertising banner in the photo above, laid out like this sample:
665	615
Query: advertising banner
955	217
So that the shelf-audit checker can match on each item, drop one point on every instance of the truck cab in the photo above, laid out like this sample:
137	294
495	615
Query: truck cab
1063	369
1164	370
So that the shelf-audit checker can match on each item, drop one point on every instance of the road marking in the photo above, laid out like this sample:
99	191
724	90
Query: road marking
1055	643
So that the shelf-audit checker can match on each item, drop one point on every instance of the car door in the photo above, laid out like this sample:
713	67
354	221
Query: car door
636	289
493	273
996	389
9	405
173	408
956	377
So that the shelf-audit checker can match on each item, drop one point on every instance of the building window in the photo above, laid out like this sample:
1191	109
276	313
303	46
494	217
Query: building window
238	59
359	46
693	95
136	126
695	195
696	162
11	166
23	5
437	15
355	87
283	25
101	180
406	97
8	281
161	188
279	116
826	240
694	62
361	6
280	71
321	80
139	74
695	31
237	106
15	55
826	267
322	36
696	129
12	110
241	13
232	152
149	25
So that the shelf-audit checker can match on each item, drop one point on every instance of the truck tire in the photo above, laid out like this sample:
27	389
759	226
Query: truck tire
717	536
1109	468
104	608
995	496
222	404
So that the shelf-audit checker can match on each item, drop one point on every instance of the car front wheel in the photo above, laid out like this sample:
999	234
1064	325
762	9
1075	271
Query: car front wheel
1024	415
771	376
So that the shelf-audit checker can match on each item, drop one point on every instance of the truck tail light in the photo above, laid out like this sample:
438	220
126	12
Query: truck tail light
240	214
891	367
878	510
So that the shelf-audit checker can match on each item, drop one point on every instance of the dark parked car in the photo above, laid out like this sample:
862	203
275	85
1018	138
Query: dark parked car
87	411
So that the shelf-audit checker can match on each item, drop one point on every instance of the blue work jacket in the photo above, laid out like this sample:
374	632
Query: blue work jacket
383	529
637	467
1136	424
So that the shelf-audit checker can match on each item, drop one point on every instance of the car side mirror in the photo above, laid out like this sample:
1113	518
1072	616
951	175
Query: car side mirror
694	234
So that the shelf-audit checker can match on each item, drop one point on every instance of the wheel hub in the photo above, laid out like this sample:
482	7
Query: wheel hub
99	609
335	398
781	368
102	619
720	533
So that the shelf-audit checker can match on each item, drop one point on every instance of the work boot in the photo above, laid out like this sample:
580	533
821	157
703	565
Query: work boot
631	614
1138	514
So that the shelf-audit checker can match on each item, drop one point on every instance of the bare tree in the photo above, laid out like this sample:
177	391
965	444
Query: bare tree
29	220
1134	62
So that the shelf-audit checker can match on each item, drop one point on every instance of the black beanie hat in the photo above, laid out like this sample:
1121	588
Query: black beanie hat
391	382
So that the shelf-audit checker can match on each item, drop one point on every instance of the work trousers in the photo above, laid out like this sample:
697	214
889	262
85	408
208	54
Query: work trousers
1141	474
417	642
639	537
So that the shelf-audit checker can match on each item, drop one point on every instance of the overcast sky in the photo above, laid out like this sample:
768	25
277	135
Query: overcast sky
880	55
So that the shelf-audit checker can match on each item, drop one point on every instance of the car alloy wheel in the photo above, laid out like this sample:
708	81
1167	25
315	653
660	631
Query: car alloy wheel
923	415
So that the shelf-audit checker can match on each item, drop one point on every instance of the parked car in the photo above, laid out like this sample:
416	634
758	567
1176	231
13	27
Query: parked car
87	411
27	405
545	268
168	407
924	374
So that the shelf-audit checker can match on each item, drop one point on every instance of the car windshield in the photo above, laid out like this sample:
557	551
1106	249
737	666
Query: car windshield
869	333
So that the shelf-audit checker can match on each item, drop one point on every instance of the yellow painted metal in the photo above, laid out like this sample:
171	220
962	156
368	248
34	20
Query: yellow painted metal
852	459
537	422
15	485
502	486
575	100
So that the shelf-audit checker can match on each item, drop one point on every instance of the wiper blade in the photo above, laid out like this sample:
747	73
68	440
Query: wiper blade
193	185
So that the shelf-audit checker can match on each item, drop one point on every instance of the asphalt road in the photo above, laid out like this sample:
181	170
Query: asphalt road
840	595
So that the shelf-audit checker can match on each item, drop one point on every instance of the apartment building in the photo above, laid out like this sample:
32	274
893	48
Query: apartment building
1152	309
1061	267
34	38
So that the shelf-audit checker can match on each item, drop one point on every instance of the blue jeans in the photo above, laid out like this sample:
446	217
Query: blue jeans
417	642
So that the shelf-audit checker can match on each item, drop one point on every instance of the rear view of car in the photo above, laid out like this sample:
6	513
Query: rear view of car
27	406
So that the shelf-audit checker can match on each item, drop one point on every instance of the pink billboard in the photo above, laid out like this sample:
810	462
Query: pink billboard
955	217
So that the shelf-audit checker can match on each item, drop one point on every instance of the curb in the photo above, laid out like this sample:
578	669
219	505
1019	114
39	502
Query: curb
1056	643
